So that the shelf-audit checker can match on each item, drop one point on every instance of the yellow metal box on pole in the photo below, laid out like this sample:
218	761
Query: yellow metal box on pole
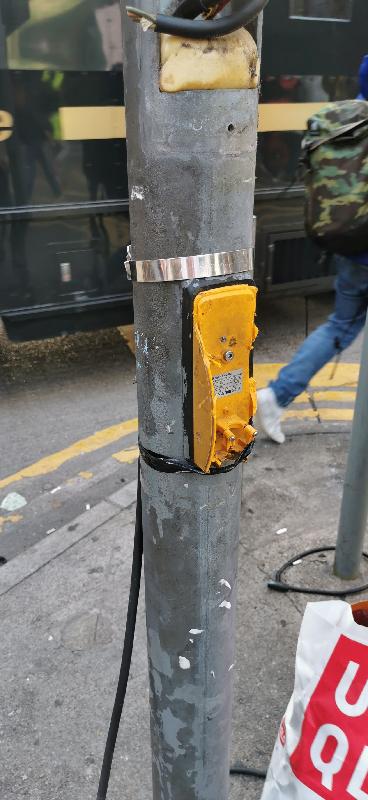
224	396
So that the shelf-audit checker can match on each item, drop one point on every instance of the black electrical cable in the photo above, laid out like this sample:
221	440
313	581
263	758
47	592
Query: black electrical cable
200	29
279	585
127	657
190	9
248	772
127	649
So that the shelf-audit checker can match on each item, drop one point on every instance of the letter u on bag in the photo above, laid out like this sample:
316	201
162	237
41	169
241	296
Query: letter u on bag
323	752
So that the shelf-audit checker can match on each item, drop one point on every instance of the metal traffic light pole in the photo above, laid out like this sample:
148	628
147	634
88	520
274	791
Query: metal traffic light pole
191	167
354	508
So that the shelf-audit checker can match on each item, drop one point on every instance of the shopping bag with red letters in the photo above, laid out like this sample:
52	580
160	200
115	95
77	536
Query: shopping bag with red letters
322	746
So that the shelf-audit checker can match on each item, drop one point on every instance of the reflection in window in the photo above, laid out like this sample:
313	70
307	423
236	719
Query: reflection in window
65	35
307	88
329	10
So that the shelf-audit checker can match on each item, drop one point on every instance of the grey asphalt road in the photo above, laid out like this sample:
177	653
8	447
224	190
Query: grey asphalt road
56	392
53	394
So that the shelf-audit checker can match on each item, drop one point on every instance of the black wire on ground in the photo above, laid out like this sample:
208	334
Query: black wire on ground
127	658
127	649
279	585
248	772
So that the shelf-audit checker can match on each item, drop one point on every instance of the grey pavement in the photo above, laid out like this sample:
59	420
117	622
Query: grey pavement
63	605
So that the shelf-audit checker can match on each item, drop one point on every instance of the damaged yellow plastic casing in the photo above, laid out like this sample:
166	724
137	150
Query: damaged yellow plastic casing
227	62
224	394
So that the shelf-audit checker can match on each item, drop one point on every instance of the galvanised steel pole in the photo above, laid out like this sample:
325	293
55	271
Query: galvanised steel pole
191	166
354	508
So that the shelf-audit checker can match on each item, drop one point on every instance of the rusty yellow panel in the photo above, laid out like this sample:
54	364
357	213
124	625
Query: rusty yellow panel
229	62
286	116
224	397
78	123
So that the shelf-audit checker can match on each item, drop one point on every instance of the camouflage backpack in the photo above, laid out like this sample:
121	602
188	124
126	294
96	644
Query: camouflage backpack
335	156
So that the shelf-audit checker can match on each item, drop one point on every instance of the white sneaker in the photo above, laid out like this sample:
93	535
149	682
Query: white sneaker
269	415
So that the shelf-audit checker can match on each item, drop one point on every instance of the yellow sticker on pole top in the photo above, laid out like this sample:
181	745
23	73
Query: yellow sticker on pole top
224	396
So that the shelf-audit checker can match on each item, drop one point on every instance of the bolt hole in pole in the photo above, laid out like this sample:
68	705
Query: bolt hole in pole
231	127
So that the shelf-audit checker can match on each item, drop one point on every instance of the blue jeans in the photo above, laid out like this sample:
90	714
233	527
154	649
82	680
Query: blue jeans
340	330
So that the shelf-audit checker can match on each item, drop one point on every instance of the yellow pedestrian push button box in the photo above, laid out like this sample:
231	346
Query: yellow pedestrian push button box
224	395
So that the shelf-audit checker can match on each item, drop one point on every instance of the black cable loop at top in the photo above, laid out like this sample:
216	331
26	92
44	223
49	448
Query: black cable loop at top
201	29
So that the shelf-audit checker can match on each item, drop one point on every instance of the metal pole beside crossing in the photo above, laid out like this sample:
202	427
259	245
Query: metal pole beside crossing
191	166
354	508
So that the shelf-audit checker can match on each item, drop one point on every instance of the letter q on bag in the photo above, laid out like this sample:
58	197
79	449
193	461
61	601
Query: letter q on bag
324	753
335	727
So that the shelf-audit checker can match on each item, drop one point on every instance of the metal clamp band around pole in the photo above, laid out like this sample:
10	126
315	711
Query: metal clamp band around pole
185	268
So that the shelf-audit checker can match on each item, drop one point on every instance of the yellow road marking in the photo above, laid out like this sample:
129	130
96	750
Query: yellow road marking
337	414
345	375
328	397
127	456
11	518
327	379
86	474
89	445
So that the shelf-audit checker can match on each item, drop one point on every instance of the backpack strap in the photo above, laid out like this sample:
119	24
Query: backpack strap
309	148
353	126
337	134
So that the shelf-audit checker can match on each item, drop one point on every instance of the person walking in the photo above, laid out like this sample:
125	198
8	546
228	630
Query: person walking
327	341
